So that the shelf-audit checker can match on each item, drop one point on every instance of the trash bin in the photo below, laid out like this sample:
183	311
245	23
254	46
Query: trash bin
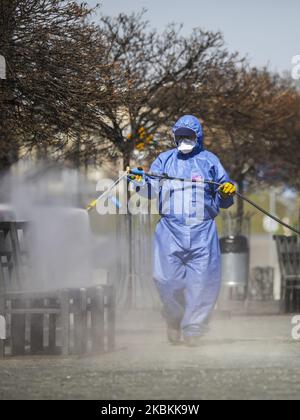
235	267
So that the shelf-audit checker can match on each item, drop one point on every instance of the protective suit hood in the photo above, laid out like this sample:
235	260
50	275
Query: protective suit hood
191	122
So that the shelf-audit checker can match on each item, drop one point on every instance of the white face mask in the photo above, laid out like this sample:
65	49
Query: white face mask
186	146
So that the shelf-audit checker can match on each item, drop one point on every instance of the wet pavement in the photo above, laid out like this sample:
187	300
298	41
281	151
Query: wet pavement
240	358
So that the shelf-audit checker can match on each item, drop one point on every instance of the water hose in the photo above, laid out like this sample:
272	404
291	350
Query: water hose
252	203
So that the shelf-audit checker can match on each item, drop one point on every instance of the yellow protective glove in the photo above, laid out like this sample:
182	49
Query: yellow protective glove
137	175
227	190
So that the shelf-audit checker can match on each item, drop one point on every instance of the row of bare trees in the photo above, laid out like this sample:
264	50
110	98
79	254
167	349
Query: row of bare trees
58	80
91	92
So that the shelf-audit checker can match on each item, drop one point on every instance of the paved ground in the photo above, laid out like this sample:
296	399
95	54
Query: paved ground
241	358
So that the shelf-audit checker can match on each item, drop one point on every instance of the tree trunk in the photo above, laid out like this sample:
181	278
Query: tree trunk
126	157
9	148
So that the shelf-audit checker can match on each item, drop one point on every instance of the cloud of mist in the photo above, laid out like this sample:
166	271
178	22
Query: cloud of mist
59	240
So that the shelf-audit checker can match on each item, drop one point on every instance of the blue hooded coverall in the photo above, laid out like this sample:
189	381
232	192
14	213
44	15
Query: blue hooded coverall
186	259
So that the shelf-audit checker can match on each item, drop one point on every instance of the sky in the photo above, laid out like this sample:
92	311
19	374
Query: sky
267	31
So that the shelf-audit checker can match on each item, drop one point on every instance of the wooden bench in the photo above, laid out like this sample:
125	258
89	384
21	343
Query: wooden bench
288	248
67	321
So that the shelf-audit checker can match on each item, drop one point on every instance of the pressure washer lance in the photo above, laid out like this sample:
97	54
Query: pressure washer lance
93	203
252	203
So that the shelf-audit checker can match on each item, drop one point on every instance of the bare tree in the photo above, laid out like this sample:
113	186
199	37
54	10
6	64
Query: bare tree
57	77
162	71
248	123
285	150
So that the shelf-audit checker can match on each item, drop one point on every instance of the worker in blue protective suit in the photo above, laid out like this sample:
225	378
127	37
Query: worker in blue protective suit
187	268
